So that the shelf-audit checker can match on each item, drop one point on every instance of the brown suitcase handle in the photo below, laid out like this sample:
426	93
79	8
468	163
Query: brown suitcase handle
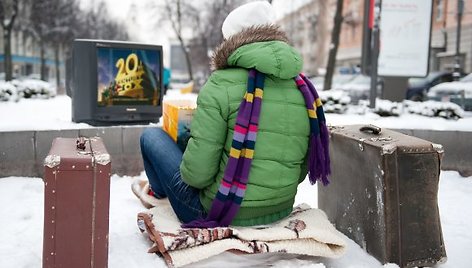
80	143
371	128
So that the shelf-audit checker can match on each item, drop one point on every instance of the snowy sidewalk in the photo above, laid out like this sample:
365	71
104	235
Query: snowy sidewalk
21	229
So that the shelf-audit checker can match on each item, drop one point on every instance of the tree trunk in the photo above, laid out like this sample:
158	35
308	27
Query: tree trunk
187	58
333	46
7	28
43	61
58	73
7	51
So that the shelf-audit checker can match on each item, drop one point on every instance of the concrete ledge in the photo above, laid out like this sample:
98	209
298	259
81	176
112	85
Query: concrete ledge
18	154
22	152
457	147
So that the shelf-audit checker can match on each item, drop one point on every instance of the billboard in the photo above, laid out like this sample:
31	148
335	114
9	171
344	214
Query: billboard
405	34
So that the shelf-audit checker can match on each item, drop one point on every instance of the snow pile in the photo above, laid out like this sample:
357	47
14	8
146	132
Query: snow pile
447	110
335	101
338	102
388	108
383	107
8	91
26	88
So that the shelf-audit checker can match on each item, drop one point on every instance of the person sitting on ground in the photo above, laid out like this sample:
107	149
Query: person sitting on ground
287	135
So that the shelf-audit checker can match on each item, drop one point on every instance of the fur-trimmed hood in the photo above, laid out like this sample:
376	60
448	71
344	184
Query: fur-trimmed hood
264	47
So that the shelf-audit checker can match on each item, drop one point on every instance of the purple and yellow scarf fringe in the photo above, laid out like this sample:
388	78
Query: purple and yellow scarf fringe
318	152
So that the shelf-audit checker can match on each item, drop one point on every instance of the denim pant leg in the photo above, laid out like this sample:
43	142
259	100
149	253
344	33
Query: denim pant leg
162	158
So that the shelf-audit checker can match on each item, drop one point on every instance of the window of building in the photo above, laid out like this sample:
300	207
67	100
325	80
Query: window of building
439	10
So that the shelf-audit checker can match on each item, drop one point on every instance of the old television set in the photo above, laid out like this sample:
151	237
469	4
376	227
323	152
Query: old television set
115	82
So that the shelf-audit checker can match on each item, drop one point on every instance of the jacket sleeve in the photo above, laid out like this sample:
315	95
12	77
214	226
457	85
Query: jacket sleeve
201	159
303	169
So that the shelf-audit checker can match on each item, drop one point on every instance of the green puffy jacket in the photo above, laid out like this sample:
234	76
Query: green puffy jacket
282	140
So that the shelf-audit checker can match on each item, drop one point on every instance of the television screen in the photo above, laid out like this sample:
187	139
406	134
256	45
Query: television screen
128	76
114	82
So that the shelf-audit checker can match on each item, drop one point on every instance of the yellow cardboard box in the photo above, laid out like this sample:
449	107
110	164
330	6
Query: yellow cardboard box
177	118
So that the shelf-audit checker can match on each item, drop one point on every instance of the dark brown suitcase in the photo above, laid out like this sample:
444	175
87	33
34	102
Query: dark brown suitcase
76	203
383	194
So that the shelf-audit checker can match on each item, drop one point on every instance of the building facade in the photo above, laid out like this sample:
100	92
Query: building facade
25	51
310	26
444	36
348	58
308	29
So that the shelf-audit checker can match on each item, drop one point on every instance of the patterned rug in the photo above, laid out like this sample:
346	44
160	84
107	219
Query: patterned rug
306	231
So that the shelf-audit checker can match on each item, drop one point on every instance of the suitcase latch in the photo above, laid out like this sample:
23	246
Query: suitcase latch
80	143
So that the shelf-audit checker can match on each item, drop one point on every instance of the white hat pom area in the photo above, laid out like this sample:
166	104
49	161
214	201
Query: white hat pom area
251	14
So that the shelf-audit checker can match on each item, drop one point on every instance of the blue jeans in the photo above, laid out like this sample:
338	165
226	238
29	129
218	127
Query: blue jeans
162	158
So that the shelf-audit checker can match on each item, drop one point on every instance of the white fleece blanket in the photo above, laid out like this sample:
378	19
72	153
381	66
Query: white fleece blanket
306	231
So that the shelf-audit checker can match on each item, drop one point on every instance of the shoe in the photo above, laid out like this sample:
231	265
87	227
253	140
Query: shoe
141	189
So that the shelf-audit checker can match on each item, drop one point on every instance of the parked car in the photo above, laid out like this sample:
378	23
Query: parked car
459	92
419	87
338	80
359	88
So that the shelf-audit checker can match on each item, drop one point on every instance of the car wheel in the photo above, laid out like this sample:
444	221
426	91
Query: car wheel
416	98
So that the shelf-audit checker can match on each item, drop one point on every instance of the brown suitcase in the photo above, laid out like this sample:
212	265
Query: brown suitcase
76	203
383	194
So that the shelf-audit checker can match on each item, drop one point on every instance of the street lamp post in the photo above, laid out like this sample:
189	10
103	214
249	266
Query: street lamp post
375	52
457	63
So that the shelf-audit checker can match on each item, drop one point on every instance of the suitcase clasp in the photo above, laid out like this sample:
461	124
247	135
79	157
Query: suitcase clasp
80	143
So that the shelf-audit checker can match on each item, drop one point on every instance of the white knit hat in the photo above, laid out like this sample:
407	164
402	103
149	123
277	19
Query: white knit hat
251	14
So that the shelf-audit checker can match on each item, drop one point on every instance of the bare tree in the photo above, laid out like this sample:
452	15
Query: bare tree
173	13
333	46
209	35
41	19
61	31
8	13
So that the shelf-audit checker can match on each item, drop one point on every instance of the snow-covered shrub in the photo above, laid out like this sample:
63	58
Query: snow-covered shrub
8	91
334	101
384	107
431	108
34	88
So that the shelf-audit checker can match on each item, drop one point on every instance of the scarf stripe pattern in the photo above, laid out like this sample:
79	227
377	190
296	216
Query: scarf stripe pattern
233	186
231	192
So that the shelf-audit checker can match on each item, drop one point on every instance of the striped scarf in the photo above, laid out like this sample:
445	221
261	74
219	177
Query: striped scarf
230	195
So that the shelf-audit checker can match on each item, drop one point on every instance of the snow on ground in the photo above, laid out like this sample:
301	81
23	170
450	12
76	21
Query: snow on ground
55	114
38	114
21	201
21	229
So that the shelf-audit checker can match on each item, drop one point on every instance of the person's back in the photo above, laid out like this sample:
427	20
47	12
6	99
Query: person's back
259	124
283	132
